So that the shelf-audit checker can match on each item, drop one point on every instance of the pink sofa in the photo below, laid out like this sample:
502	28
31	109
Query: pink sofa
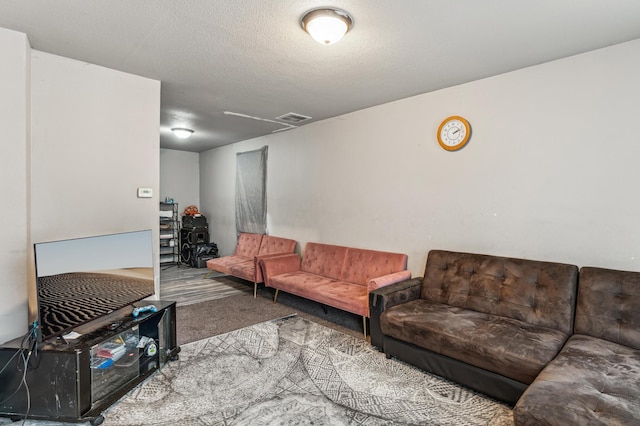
336	276
249	250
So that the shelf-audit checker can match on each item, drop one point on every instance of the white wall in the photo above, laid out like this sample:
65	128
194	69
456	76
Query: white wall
80	139
180	177
550	172
14	105
217	195
95	140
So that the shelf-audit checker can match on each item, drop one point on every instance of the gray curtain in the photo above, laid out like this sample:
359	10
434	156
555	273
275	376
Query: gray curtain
251	191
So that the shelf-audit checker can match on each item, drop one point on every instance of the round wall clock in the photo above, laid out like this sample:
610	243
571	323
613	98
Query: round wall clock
454	133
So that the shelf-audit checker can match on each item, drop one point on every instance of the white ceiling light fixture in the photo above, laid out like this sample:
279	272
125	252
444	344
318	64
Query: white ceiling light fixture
181	132
326	25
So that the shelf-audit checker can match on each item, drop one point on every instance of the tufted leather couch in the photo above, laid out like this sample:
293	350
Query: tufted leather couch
243	263
337	276
490	323
595	379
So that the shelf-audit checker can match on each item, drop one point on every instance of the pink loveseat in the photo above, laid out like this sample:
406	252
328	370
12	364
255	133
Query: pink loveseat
249	250
337	276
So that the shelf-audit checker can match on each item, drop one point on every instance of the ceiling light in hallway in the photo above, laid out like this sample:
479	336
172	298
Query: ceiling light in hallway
181	132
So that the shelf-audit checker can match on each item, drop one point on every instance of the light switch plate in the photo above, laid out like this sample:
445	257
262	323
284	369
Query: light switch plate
145	192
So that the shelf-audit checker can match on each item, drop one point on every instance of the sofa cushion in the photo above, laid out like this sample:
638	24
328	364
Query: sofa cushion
347	296
323	259
248	245
338	294
361	265
244	269
609	305
271	244
505	346
592	381
224	264
535	292
300	283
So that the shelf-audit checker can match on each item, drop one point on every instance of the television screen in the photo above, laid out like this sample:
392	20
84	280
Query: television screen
82	279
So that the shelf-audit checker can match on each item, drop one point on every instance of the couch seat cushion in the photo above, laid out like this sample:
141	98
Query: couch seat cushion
338	294
347	296
505	346
244	269
592	381
300	283
224	264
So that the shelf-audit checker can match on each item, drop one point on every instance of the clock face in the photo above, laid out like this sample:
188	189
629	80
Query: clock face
454	133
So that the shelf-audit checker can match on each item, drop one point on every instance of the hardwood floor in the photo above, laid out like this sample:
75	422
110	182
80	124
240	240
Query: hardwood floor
187	285
169	273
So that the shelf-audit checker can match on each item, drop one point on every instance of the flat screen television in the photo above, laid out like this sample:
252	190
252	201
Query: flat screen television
82	279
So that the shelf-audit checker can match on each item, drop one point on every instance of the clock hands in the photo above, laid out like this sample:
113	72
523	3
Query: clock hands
452	133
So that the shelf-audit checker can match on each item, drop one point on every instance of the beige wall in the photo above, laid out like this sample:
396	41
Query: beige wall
179	177
14	110
550	172
94	139
218	199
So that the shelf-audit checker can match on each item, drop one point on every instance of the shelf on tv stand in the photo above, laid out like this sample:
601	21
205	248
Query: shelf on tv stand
62	384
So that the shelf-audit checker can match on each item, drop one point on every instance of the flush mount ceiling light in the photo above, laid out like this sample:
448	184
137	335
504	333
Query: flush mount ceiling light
326	25
181	132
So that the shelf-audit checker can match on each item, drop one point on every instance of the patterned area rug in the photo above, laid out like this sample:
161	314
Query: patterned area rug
292	371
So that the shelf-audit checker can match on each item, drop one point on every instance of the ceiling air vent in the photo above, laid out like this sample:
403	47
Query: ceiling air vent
293	118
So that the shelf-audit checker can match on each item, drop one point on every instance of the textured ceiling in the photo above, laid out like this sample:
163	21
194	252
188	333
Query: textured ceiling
251	57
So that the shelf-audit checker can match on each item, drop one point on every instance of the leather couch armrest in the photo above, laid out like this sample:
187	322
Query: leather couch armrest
276	265
385	297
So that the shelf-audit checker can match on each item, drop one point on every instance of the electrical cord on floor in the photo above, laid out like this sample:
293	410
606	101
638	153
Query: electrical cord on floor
29	342
33	338
26	385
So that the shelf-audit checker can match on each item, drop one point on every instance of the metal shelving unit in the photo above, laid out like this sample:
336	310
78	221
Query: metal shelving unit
169	233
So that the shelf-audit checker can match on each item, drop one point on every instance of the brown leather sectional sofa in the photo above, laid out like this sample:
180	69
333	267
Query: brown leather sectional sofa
505	326
595	379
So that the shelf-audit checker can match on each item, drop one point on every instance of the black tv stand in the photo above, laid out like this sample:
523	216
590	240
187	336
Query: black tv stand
75	380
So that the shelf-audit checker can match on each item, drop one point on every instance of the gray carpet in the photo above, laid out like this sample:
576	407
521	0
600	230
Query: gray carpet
226	303
293	371
202	320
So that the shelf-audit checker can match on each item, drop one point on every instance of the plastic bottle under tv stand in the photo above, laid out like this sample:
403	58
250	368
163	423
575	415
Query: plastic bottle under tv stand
62	382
